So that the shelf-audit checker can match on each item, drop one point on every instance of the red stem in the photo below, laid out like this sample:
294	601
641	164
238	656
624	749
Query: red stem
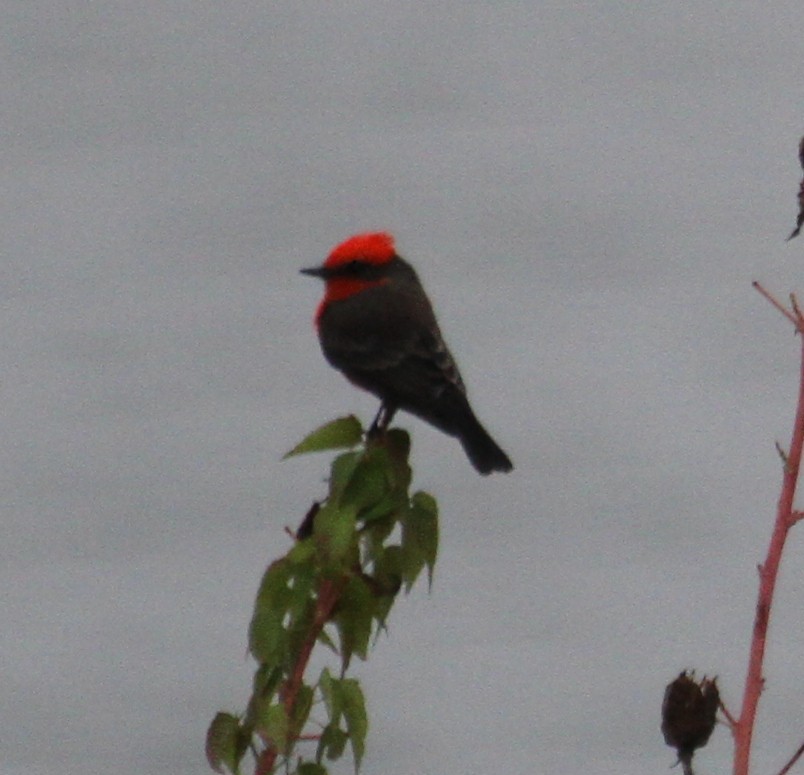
731	722
328	594
776	303
743	729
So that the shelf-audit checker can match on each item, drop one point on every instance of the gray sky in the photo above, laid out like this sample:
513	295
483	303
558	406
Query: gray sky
587	190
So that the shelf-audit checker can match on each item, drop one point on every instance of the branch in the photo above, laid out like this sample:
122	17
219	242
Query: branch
772	299
743	728
731	722
796	756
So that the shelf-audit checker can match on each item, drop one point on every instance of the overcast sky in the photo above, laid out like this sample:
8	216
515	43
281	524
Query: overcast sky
587	190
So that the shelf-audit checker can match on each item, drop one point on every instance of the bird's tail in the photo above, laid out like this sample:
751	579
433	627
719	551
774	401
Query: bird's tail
483	452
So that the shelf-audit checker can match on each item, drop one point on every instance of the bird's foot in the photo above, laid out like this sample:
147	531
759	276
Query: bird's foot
381	421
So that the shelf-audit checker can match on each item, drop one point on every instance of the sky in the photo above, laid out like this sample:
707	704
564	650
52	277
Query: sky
587	190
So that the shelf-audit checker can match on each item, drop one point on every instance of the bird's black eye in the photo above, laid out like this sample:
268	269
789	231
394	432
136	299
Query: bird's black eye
354	268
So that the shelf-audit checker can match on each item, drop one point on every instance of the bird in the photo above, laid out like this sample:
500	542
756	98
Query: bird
377	326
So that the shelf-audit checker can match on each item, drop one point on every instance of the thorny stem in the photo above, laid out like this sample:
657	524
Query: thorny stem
743	727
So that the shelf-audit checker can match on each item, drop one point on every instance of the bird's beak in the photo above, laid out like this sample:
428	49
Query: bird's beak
315	271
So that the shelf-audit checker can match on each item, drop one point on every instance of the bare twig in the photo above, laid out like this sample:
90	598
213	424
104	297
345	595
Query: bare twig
786	312
796	756
782	454
731	722
743	727
794	305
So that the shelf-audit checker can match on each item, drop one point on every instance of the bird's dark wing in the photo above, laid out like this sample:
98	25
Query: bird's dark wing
399	366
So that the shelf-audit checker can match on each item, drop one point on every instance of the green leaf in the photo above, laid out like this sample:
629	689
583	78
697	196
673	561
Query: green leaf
301	708
301	585
302	553
329	687
340	433
273	726
323	637
420	537
387	569
354	619
332	742
354	711
335	534
387	578
266	680
340	473
374	534
267	637
383	512
298	628
311	768
369	481
373	489
226	743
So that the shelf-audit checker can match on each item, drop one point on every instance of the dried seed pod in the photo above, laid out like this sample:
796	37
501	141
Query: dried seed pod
689	713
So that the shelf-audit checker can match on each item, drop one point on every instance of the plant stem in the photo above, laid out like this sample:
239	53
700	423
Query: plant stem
328	594
793	759
743	729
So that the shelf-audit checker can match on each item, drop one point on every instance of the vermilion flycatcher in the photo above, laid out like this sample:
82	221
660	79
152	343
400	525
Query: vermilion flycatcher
377	326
